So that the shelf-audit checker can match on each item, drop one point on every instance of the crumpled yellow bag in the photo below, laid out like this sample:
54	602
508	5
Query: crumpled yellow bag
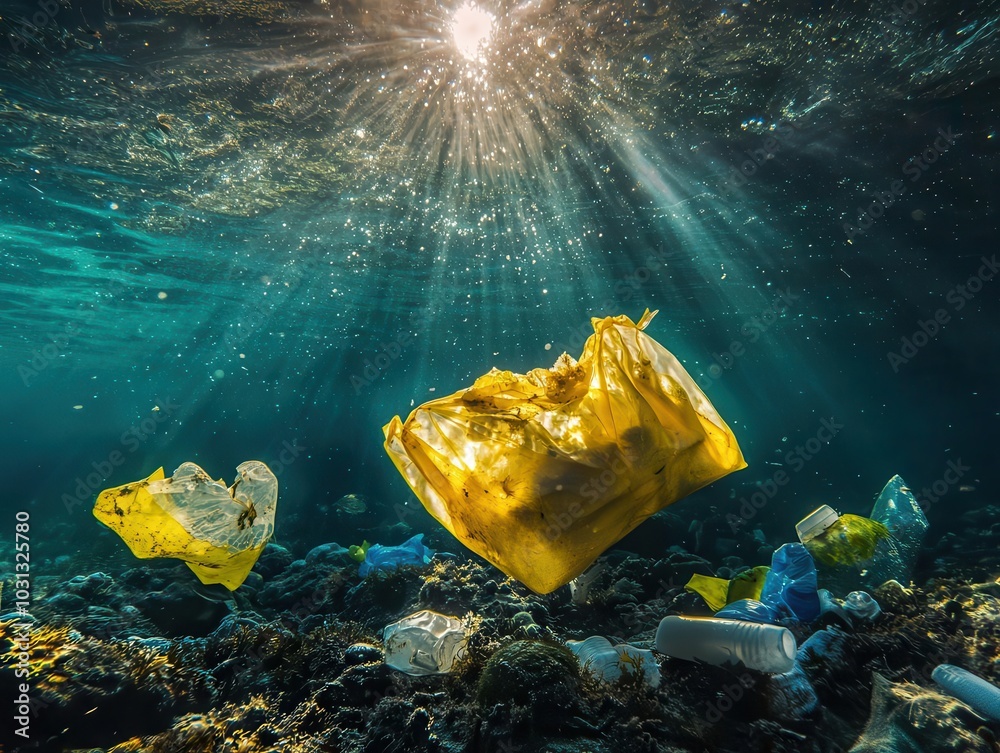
218	532
718	592
540	473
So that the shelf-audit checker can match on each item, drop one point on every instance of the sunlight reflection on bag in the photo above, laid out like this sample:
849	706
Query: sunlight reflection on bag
540	473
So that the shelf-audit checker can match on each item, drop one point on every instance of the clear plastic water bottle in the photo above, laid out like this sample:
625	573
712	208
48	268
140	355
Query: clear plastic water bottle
766	648
425	643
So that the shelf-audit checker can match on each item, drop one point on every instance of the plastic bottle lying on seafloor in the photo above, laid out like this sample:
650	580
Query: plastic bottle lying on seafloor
766	648
982	695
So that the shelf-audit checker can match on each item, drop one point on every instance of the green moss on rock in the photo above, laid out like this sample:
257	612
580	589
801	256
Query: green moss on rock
524	672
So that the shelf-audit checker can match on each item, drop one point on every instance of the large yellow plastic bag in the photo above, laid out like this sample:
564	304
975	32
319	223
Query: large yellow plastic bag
540	473
218	532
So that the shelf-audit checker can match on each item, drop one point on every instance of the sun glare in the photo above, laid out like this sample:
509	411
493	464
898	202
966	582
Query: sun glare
471	28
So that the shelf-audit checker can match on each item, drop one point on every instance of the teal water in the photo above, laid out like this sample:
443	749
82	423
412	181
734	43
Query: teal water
281	224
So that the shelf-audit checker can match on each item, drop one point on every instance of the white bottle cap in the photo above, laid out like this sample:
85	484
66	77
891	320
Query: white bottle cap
815	523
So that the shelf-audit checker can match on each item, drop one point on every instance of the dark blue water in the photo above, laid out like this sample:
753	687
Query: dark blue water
261	234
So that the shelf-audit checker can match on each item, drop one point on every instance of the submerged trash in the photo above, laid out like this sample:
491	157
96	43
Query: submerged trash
378	558
830	604
608	663
766	648
859	553
718	592
353	504
541	473
861	606
358	552
839	539
218	532
791	696
579	587
789	590
983	696
425	643
895	558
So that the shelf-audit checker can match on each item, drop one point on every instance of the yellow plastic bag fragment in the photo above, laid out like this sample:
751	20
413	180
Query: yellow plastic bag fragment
539	473
850	540
718	592
218	532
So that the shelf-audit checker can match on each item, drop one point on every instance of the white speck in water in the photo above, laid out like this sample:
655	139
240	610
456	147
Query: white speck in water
161	295
219	373
77	407
548	346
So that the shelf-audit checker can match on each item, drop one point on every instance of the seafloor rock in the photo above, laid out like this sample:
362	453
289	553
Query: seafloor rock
90	692
530	673
298	664
180	610
907	718
301	591
273	560
331	552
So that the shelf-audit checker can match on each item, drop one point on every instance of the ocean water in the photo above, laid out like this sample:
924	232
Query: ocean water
261	229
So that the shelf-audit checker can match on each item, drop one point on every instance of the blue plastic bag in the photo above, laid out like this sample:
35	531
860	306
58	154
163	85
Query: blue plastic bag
384	558
790	590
